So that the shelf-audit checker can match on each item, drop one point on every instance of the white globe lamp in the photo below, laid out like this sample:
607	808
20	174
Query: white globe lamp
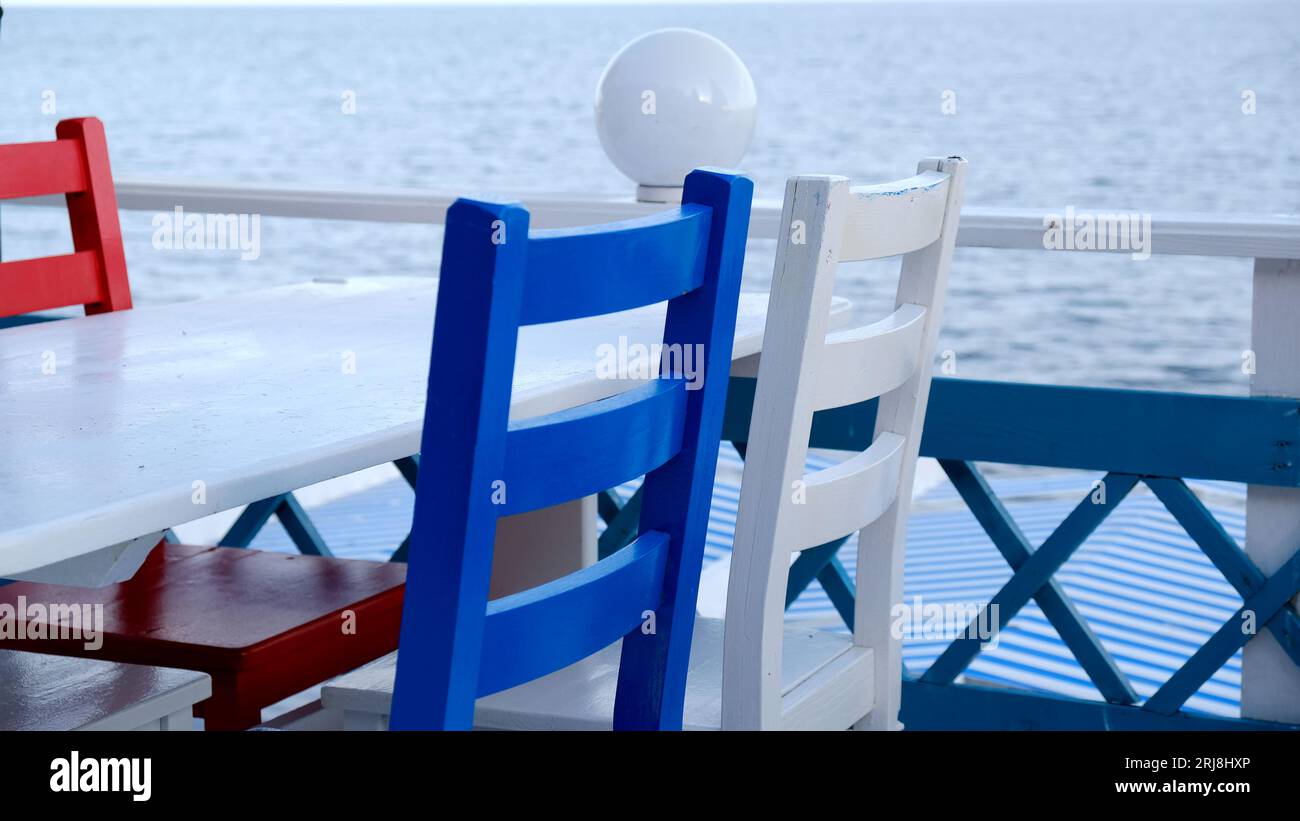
670	101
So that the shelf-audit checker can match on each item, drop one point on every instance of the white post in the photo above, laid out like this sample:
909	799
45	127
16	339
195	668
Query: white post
1270	681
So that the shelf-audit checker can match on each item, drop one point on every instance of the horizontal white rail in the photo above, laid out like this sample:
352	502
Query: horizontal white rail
1214	235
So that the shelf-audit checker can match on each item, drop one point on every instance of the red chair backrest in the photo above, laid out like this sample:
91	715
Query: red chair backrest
94	274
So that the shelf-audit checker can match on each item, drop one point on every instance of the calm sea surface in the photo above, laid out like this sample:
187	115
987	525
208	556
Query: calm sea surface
1130	106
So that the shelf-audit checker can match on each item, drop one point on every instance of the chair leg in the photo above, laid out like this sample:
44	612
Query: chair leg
225	711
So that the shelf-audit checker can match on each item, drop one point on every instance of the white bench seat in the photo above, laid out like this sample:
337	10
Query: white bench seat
826	682
44	692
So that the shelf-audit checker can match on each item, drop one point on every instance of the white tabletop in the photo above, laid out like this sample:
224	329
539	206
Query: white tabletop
251	395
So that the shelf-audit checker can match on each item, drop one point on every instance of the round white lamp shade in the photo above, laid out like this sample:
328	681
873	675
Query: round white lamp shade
670	101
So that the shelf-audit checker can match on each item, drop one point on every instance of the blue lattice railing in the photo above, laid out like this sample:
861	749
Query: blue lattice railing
1158	439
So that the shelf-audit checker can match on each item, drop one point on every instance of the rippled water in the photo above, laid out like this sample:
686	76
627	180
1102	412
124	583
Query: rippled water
1097	105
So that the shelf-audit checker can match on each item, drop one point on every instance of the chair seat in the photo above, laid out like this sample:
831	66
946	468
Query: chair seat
263	625
41	692
826	684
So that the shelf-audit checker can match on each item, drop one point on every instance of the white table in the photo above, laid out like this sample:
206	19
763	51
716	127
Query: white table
117	426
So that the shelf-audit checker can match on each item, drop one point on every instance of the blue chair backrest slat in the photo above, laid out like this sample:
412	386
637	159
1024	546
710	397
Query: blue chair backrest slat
593	447
535	632
476	466
600	269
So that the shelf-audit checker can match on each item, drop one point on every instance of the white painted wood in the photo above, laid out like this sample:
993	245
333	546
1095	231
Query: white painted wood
1270	681
846	497
922	281
1271	236
180	721
98	568
781	509
862	363
808	251
252	395
894	218
825	679
46	692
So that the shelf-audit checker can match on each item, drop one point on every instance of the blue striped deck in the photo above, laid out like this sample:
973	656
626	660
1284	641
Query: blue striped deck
1148	592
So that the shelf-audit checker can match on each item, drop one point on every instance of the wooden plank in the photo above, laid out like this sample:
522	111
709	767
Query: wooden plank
41	169
28	285
47	692
587	271
893	218
1255	440
573	453
862	363
849	495
538	631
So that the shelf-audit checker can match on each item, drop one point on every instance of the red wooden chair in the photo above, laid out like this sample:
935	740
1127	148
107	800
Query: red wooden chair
263	625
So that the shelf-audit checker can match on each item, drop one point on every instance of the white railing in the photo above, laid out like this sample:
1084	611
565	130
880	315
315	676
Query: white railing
1214	235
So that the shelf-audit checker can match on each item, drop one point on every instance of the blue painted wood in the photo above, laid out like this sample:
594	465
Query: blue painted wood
622	529
289	511
1223	552
599	445
409	467
608	505
1033	575
250	522
1238	439
402	552
839	589
1251	440
1271	598
929	706
537	631
805	568
1056	606
480	296
586	271
488	289
1255	440
677	496
299	527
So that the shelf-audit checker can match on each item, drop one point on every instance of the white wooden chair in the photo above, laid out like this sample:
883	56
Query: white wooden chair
804	370
756	672
44	692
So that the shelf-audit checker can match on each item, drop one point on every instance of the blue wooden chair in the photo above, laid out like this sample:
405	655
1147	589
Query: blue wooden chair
478	465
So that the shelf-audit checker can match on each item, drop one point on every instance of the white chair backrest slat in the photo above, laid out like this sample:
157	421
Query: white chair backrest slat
895	218
846	497
802	370
862	363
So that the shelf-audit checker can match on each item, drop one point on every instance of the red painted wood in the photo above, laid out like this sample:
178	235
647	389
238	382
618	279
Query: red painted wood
51	282
263	625
76	164
40	169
